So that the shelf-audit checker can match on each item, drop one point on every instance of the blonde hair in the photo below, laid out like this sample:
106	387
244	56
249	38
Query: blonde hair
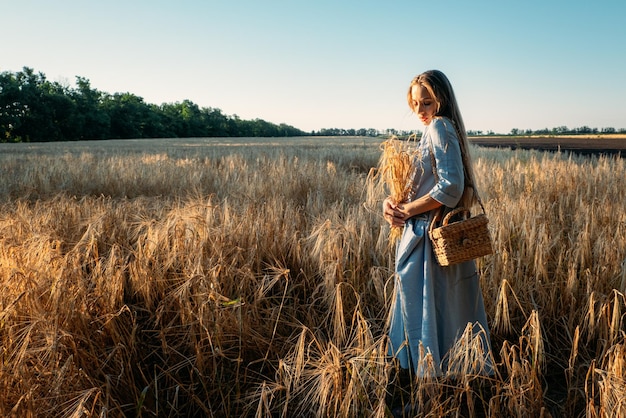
441	90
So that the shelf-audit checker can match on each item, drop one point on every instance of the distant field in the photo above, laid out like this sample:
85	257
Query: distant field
585	144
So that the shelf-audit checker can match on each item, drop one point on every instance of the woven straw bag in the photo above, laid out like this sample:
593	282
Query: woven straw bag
460	241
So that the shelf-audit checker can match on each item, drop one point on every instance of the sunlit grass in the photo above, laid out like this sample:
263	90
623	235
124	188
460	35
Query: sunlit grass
226	278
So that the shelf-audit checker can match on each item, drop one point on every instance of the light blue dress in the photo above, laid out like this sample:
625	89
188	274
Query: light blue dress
433	305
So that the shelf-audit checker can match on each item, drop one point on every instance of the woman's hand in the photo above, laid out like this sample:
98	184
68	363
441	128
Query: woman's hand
393	213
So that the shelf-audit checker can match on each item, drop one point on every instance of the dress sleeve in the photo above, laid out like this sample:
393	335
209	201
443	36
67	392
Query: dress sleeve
445	145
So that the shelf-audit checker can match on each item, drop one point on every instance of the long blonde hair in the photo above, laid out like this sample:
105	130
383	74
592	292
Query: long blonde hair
441	90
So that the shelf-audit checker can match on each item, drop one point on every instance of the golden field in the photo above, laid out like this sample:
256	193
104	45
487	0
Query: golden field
252	277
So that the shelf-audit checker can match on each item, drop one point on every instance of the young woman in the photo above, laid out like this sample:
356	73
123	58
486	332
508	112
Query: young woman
433	305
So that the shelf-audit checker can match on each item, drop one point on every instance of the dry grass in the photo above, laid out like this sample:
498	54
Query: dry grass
199	278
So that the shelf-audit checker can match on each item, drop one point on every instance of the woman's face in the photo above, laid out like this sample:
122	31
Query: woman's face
424	104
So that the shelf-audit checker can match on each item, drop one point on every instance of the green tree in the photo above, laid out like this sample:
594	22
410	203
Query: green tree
92	121
12	110
129	115
35	109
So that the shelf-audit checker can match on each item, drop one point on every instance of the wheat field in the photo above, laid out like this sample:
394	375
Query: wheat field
252	277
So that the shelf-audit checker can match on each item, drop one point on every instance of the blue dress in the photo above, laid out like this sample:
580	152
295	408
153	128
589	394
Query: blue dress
433	305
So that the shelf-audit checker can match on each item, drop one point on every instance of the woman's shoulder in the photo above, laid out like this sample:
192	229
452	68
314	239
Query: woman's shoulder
442	127
442	123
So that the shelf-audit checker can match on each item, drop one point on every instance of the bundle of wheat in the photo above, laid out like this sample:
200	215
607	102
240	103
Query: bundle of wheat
395	170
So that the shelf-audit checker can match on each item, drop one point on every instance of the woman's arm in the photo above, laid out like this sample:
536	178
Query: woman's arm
449	164
418	206
397	215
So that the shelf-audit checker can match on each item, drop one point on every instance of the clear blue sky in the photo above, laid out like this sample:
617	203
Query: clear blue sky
336	63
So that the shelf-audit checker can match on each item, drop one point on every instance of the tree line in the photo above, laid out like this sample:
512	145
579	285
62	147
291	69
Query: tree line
564	130
559	130
34	109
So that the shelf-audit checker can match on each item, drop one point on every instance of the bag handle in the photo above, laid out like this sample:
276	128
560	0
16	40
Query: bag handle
454	212
449	215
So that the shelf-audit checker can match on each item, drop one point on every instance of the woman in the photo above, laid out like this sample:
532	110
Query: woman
433	305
